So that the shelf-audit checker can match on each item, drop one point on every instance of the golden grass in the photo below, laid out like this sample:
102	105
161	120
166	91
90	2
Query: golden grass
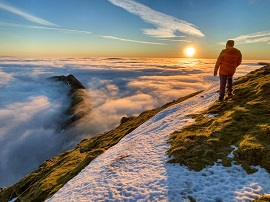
243	121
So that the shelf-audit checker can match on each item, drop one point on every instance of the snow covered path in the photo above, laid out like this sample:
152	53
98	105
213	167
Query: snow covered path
135	169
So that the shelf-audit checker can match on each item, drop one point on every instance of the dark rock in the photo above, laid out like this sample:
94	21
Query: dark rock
70	80
263	63
126	119
85	149
80	104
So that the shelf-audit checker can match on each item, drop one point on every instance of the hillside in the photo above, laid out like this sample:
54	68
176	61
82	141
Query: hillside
200	144
54	173
242	121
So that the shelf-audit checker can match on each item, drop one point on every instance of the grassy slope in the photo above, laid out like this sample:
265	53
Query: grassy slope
243	121
54	173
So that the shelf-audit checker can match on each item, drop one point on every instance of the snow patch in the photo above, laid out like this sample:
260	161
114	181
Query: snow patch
210	115
231	155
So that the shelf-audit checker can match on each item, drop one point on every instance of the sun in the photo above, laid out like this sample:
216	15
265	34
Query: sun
190	51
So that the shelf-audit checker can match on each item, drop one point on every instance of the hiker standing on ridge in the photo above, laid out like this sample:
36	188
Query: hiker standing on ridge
228	60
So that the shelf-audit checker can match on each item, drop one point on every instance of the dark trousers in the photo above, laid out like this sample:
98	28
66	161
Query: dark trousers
223	81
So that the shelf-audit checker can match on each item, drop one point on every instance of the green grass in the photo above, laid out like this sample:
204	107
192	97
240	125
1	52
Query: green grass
243	121
56	172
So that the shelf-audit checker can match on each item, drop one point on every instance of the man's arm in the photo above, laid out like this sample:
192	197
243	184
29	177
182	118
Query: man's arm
239	59
218	63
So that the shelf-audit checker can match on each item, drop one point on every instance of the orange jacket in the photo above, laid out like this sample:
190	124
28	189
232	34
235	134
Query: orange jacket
229	59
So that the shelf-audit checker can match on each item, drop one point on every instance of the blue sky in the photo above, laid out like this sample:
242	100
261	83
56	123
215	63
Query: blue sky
141	28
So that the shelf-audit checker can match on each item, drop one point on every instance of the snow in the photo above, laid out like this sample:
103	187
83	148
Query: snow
231	155
13	200
136	170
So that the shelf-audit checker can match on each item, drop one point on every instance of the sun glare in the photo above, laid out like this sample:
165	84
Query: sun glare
190	51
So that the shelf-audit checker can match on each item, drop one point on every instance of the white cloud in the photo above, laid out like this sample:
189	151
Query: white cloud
178	40
5	78
25	15
60	29
160	32
257	37
166	25
258	40
128	105
130	40
45	28
253	35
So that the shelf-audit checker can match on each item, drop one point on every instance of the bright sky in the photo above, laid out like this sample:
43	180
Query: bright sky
133	28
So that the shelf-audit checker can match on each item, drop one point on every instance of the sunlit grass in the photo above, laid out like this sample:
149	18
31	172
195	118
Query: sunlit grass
243	121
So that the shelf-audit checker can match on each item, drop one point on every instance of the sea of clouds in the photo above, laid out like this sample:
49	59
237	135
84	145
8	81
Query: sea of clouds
32	107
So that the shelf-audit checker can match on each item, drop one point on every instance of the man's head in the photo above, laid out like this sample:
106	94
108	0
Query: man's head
230	43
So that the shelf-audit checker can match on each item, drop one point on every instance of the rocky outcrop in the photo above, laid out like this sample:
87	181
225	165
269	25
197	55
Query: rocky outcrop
126	119
80	104
263	63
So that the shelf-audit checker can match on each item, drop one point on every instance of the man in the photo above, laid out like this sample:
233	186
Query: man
229	59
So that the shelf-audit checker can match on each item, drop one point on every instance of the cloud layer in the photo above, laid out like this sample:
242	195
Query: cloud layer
166	25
